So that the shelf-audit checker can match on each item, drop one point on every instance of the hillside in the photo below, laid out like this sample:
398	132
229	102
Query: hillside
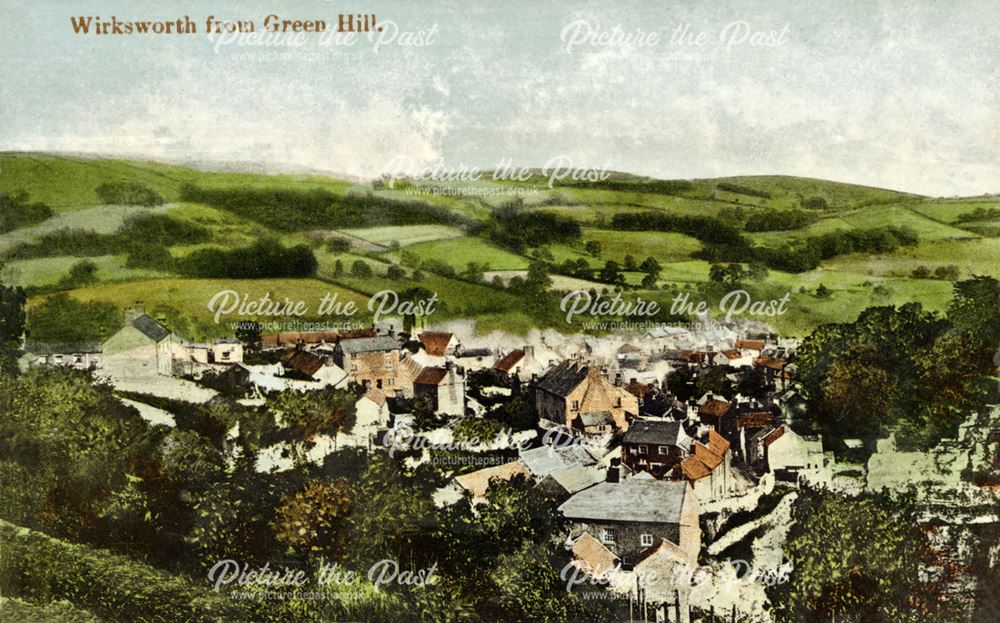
446	237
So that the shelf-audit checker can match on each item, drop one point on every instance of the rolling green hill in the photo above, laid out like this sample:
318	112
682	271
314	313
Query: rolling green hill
451	226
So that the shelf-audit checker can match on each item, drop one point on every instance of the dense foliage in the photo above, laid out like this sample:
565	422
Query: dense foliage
297	210
905	367
857	559
265	258
17	211
128	193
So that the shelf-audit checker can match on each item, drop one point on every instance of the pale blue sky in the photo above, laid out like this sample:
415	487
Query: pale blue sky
901	95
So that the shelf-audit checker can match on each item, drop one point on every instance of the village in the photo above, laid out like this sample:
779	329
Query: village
649	472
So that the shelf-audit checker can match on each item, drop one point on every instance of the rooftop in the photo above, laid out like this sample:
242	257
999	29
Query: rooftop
631	501
368	344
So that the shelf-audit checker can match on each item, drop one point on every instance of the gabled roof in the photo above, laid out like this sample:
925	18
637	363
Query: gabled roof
368	344
706	456
578	478
509	360
301	361
629	501
717	443
150	328
430	376
545	460
375	395
694	468
750	344
563	379
657	432
592	557
435	343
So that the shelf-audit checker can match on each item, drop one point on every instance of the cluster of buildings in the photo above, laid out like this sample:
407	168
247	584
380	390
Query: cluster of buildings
632	465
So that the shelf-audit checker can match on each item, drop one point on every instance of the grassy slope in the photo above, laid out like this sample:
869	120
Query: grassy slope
67	184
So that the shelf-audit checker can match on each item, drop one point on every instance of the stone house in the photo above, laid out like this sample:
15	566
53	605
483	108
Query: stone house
572	389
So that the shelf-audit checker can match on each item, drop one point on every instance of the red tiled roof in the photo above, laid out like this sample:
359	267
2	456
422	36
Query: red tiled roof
300	360
714	407
435	343
773	436
706	456
770	362
694	468
509	360
592	556
750	344
717	443
430	376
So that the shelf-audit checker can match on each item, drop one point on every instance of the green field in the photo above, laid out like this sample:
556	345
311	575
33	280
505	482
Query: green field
458	252
189	298
67	184
47	271
405	235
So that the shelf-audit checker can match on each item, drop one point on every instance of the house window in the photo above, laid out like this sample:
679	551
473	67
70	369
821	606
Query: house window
354	367
225	355
646	540
391	381
388	367
631	449
664	450
643	449
618	401
576	405
608	535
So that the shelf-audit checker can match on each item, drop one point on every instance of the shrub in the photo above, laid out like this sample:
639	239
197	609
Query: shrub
129	193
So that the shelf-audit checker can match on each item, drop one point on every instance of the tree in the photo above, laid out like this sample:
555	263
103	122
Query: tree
611	273
312	521
593	248
816	203
61	318
326	411
12	316
361	269
248	332
338	268
858	559
395	273
630	265
81	274
823	292
651	267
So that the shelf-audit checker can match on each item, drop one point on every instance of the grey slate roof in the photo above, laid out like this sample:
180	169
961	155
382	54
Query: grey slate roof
655	432
544	460
62	348
563	379
653	501
368	344
150	328
574	479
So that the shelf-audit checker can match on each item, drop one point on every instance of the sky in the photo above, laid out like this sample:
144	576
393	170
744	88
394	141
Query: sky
882	93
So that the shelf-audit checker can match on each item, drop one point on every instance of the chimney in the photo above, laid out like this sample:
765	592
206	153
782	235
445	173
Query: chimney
137	309
529	351
614	474
618	379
